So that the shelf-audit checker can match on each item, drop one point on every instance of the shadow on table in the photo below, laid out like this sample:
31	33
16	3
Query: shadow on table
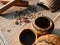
29	10
56	31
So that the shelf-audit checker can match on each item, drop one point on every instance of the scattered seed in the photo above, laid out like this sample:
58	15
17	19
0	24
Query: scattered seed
9	30
16	23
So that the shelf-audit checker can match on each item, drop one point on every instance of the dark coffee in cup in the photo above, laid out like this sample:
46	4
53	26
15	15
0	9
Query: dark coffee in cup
43	25
27	37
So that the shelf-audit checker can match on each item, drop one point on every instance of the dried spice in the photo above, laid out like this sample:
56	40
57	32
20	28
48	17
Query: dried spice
22	20
25	15
17	22
9	30
29	10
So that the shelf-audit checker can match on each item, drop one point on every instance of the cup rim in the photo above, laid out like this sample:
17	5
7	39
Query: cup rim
32	32
42	29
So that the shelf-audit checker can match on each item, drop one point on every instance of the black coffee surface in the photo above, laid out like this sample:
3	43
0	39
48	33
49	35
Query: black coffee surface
42	22
27	37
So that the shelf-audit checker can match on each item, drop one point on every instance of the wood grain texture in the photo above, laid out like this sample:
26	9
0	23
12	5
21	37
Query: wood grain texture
16	3
51	4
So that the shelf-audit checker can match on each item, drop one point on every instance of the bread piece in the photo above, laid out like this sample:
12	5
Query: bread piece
49	39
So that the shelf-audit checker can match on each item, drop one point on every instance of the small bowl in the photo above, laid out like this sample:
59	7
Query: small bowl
43	25
27	37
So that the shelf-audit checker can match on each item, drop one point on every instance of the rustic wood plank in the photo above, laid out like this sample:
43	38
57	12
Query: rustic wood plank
16	3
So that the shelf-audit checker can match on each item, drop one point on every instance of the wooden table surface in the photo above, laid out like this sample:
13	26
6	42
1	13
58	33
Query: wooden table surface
12	31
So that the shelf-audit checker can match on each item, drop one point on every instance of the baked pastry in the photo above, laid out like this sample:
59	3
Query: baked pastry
49	39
